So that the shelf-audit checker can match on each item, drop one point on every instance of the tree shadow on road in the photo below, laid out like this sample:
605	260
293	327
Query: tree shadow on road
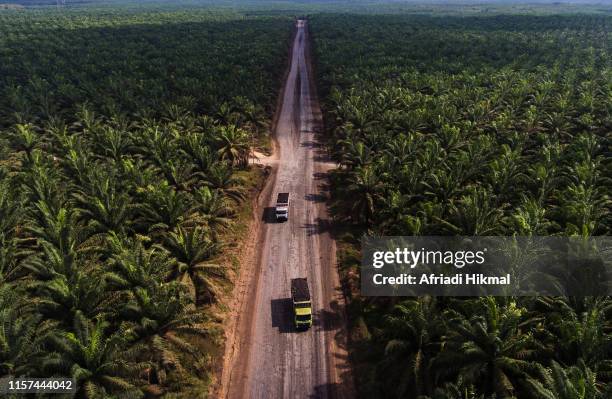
315	197
331	319
320	226
330	390
328	319
320	175
322	391
310	144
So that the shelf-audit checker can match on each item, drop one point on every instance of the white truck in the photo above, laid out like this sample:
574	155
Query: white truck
282	207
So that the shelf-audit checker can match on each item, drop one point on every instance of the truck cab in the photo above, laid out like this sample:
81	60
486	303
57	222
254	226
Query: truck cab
302	305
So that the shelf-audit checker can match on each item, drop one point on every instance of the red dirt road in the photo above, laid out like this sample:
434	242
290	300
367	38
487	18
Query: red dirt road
268	358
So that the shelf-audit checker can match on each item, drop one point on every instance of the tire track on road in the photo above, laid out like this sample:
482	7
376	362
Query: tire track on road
276	361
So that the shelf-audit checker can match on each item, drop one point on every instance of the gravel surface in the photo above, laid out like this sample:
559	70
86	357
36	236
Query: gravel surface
274	360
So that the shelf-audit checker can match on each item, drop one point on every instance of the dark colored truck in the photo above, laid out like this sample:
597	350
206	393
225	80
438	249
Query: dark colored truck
282	207
302	306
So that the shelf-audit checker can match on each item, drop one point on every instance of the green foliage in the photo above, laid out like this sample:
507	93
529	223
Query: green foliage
468	125
471	126
122	135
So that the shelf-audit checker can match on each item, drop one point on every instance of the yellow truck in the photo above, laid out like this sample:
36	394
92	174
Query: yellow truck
302	306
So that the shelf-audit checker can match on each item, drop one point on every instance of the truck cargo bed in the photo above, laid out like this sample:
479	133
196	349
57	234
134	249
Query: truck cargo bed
299	290
282	198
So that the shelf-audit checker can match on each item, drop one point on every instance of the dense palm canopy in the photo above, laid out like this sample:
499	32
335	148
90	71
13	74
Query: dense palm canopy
494	125
121	133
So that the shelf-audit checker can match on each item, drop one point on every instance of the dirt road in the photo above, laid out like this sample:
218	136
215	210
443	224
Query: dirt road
273	360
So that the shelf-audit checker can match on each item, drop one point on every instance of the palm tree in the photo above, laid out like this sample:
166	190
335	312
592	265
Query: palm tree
175	113
21	333
584	208
457	390
254	118
361	196
64	285
104	205
76	159
507	172
530	218
233	145
166	323
111	143
201	155
156	144
163	208
492	346
400	149
446	184
544	175
103	364
164	319
180	174
58	226
87	120
41	181
556	382
10	207
579	328
226	114
25	139
412	334
221	178
213	209
132	267
355	154
193	249
475	214
206	123
9	262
